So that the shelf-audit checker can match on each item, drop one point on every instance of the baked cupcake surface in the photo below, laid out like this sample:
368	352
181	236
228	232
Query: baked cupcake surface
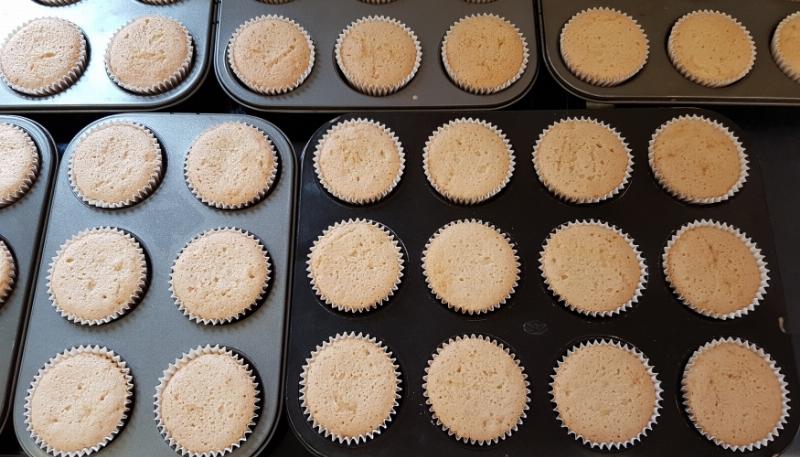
582	160
605	394
593	268
149	55
44	56
698	160
378	55
785	45
116	164
484	53
355	265
735	394
603	46
220	275
711	48
476	390
349	388
8	272
468	161
97	276
232	165
359	161
470	266
271	54
20	160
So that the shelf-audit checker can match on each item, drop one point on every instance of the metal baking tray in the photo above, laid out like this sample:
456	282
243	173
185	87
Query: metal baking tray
99	19
659	81
327	90
154	333
532	323
21	225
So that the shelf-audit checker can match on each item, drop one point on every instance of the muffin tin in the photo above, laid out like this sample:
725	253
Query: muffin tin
532	324
21	225
99	20
659	81
326	88
155	332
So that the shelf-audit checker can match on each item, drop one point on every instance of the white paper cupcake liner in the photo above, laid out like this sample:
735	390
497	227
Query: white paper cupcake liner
99	351
760	261
177	365
697	79
57	2
368	88
781	380
449	195
162	86
7	256
777	52
68	79
378	303
603	82
144	192
554	189
347	123
448	430
134	299
200	320
264	90
643	272
33	173
261	194
485	90
614	445
743	161
364	437
456	307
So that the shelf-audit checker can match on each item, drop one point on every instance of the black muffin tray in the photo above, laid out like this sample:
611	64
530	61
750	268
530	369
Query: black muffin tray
155	332
99	20
326	89
21	225
532	324
659	81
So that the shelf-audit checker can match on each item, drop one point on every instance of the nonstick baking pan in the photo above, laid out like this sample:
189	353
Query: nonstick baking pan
99	20
532	323
155	332
659	81
21	225
327	90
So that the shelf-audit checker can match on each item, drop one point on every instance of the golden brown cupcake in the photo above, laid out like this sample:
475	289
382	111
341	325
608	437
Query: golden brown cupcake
785	46
20	159
8	272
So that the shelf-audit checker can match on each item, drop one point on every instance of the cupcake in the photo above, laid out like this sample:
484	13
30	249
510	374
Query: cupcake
43	56
582	160
350	387
606	394
207	402
8	272
468	161
785	46
150	55
378	55
698	160
97	276
471	266
355	265
220	276
604	46
476	390
57	2
232	165
78	401
271	54
359	161
484	53
735	394
593	268
20	159
711	48
715	269
115	164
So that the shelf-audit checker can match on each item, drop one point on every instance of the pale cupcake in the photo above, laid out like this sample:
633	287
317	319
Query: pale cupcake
785	46
20	159
8	272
